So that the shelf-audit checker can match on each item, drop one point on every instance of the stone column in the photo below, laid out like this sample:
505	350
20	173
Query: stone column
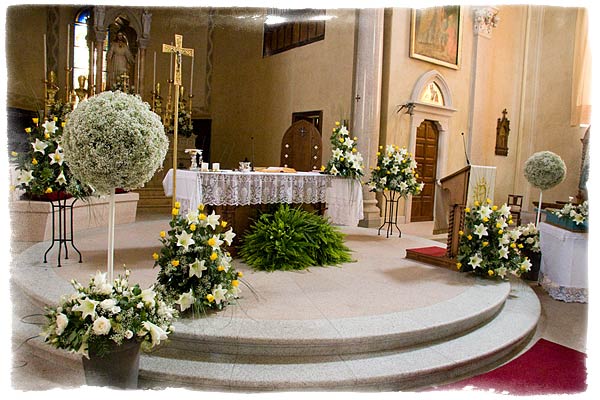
367	99
141	79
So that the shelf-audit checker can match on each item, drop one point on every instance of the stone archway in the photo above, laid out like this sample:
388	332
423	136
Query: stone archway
430	100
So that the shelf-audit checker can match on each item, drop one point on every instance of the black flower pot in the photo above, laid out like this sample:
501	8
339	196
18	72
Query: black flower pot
119	368
533	273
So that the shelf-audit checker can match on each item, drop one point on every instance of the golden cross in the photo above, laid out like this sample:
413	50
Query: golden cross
178	50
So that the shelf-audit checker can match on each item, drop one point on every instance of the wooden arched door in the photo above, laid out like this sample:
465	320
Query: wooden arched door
301	147
426	153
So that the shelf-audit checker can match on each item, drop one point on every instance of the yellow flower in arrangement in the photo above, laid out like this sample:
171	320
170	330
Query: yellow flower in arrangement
378	154
458	265
55	119
211	242
210	298
48	190
485	244
500	232
223	224
341	140
177	204
34	161
14	153
28	130
163	234
175	263
491	273
337	123
467	209
485	219
155	256
175	211
355	138
494	208
202	217
220	268
213	256
35	120
469	237
193	227
520	245
461	233
240	274
380	147
200	207
46	136
354	150
322	168
235	283
476	203
513	245
62	124
378	168
489	201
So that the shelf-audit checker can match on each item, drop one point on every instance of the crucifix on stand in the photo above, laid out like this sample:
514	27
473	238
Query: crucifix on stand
178	50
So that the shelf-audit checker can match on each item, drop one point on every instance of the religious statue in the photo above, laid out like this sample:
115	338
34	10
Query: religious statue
119	59
502	131
81	91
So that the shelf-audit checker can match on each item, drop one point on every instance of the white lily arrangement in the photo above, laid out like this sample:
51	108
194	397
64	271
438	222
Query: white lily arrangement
195	268
106	313
395	171
345	159
577	213
529	237
487	247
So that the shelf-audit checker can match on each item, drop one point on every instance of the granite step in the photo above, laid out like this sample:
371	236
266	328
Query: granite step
411	368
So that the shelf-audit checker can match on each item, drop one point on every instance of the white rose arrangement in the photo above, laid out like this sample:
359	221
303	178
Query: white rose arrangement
102	314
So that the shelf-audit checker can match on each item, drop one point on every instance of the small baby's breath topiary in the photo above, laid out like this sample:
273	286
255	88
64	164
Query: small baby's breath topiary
544	170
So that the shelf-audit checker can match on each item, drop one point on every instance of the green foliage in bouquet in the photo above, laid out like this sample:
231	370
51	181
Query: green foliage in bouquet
395	171
293	239
345	159
487	247
195	268
104	313
42	169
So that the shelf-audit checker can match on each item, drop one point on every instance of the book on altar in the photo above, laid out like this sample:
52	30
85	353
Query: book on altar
277	169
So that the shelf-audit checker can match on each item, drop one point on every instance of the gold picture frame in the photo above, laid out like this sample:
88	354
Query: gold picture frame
435	35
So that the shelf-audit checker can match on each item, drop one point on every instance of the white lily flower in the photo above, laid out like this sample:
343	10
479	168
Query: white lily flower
348	142
39	145
501	272
156	332
213	220
148	296
61	179
184	239
192	217
485	212
480	230
525	265
475	261
219	293
228	237
337	153
186	300
217	242
50	127
25	177
333	170
503	252
197	267
87	307
343	130
504	210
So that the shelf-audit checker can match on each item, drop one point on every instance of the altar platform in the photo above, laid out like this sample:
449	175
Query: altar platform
383	322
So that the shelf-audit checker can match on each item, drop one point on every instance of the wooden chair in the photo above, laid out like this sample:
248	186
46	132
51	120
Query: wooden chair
301	147
515	202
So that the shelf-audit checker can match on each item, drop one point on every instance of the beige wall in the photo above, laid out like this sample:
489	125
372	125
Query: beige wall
256	96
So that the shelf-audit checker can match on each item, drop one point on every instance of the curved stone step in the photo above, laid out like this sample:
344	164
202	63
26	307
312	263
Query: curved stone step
408	369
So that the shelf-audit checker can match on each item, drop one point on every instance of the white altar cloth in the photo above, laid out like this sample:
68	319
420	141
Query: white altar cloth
246	188
345	201
563	270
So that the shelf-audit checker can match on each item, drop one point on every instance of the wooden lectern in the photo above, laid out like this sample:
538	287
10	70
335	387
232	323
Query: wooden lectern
455	187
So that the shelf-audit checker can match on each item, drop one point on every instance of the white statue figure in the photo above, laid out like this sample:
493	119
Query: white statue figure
118	59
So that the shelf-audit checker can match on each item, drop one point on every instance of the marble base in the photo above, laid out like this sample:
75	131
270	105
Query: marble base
31	221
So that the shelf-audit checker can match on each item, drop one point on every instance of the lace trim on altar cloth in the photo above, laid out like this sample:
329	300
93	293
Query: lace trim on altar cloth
563	293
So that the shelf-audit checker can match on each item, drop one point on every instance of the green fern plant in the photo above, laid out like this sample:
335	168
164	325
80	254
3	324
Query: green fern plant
293	239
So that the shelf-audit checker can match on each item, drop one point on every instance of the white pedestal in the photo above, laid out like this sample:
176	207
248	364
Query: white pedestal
563	270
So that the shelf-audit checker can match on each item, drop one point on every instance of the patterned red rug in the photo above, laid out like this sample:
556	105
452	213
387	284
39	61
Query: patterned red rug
546	368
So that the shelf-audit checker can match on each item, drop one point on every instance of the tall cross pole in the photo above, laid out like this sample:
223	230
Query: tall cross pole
178	50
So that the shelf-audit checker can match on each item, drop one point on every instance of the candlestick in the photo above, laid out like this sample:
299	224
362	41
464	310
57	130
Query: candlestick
68	45
171	65
192	77
154	72
45	59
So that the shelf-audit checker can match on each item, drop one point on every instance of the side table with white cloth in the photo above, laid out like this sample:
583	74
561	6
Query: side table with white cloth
344	201
563	270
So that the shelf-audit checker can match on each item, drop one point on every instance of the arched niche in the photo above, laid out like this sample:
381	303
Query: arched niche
439	109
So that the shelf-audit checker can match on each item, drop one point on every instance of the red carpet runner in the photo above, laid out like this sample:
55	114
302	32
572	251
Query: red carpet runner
546	368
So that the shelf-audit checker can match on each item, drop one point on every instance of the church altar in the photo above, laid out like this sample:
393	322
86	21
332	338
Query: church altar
236	188
563	269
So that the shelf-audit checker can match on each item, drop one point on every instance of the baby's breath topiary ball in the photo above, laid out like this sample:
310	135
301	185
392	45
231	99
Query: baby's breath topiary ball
113	140
544	170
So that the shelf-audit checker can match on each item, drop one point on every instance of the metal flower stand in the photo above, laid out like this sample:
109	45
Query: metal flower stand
390	216
59	212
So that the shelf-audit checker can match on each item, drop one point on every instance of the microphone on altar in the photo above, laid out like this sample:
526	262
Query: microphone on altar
465	148
252	157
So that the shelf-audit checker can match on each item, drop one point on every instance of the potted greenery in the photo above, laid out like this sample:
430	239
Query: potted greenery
487	247
107	323
195	267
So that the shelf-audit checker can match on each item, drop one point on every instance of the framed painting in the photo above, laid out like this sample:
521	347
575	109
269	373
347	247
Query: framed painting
435	35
